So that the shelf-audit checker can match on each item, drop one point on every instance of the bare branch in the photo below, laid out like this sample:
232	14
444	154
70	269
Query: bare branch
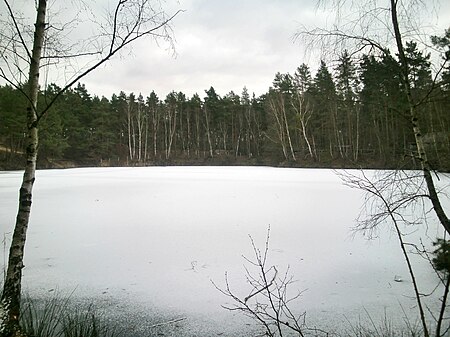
388	198
268	302
56	56
113	50
16	26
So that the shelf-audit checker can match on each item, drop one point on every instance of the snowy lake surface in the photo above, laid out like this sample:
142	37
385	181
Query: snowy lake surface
153	238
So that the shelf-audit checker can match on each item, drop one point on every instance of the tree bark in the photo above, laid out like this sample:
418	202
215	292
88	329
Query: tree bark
248	131
172	128
188	126
155	128
288	133
279	125
356	148
146	138
303	115
10	301
208	132
415	121
140	128
129	128
10	297
197	130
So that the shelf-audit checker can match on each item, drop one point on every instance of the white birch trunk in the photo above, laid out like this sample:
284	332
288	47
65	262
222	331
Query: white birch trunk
10	300
415	121
208	133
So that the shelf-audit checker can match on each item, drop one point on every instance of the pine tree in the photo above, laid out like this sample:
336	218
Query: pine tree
324	96
348	110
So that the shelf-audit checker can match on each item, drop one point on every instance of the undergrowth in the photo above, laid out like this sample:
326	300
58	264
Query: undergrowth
57	317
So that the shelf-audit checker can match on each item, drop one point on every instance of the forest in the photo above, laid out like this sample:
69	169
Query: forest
353	114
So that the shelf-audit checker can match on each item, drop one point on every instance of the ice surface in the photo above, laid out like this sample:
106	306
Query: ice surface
161	234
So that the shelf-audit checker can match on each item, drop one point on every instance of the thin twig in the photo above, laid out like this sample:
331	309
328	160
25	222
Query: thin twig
169	322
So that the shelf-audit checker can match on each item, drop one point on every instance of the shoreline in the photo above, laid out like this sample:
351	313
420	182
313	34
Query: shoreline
134	318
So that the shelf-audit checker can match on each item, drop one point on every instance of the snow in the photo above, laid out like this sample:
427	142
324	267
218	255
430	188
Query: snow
159	235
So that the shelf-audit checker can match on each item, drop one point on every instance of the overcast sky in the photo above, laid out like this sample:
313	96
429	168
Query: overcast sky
227	44
224	44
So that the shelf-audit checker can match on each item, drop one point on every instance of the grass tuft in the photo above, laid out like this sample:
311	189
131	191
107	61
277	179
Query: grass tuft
55	317
384	328
87	323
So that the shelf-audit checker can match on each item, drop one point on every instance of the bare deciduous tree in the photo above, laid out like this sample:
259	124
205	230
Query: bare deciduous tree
268	302
375	29
26	53
277	106
400	198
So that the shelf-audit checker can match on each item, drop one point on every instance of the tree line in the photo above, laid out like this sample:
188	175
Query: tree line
354	114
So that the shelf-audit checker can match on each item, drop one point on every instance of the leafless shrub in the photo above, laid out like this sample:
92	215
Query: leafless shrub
400	199
268	301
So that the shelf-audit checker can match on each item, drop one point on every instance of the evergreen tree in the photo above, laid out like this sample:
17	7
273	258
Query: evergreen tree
302	78
106	131
12	125
443	44
347	119
324	96
155	116
302	105
279	105
194	106
212	119
170	122
76	109
53	141
346	78
231	125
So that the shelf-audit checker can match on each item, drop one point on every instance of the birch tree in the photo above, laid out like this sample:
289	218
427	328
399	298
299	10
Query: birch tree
377	28
324	97
346	85
249	121
396	20
416	120
279	104
155	118
301	104
196	106
170	122
210	108
24	58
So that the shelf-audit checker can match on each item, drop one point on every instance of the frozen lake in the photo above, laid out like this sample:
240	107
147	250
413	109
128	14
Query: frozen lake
155	237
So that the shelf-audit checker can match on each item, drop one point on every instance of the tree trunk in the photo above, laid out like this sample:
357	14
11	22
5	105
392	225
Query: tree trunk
288	134
248	131
146	139
197	131
238	140
279	125
139	122
303	115
10	301
188	122
155	126
130	146
208	134
356	148
422	155
133	139
305	136
172	128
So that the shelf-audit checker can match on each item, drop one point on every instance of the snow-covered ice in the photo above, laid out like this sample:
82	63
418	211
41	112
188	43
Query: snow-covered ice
161	234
